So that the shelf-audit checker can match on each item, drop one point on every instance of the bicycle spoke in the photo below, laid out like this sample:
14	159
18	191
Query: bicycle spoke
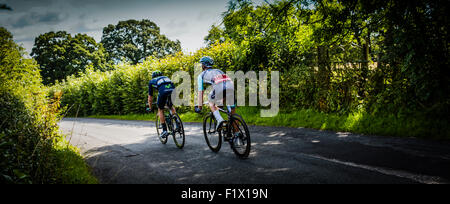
240	142
213	138
178	134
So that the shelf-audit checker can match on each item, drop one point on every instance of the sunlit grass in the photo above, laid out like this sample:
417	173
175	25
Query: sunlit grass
72	167
357	122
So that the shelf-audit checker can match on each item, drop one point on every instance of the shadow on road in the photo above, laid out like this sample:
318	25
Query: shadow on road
279	155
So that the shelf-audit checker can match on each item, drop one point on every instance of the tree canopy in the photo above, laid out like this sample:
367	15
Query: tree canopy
374	54
60	55
134	40
14	68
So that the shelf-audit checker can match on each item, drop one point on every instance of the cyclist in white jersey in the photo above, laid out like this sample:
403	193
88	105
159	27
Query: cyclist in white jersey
223	89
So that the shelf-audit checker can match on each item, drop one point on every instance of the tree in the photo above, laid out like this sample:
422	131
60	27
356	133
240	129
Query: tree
15	70
410	39
215	35
61	55
134	40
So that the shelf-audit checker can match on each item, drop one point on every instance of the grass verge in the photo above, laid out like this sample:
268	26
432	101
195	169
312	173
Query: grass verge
72	169
358	122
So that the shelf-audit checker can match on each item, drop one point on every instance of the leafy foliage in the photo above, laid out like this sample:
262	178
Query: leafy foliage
30	150
338	56
124	90
134	40
373	58
60	55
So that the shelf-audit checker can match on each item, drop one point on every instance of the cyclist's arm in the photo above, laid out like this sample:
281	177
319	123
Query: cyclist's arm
150	101
200	90
200	99
150	94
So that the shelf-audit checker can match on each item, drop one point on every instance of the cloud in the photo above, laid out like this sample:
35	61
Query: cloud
188	21
5	7
33	18
24	5
175	27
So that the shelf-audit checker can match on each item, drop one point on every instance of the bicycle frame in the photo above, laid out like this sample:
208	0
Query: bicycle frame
227	131
171	119
166	108
228	111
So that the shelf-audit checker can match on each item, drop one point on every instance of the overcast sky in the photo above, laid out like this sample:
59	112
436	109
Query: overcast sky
185	20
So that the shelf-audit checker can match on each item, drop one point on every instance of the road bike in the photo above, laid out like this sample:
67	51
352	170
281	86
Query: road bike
177	133
234	130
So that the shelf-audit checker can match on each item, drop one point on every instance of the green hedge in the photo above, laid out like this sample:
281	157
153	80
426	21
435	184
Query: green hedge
358	122
31	147
32	150
124	90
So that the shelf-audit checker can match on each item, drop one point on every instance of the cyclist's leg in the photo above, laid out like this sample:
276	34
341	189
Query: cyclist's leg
229	100
212	98
235	125
162	98
233	111
172	108
170	103
160	109
228	95
161	116
213	106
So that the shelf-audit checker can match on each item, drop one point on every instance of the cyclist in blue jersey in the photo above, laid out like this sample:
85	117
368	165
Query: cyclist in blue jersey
223	88
165	88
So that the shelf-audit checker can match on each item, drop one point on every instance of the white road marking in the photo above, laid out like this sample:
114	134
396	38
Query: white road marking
424	179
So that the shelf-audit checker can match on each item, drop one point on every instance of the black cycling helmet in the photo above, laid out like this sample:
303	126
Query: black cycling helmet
156	73
207	61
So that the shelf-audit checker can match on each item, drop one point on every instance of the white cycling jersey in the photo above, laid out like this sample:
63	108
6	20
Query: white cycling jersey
222	85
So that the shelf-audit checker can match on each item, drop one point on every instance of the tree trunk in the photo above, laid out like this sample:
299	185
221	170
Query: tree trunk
323	76
364	68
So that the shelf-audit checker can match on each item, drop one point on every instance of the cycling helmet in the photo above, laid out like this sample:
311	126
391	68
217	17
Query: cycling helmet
207	61
156	73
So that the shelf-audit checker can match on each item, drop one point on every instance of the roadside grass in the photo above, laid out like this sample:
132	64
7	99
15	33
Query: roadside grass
357	122
185	117
72	169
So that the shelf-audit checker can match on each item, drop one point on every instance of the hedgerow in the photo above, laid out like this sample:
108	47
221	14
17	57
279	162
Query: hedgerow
32	150
124	90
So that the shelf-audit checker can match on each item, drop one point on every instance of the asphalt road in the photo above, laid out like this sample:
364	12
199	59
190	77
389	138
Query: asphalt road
130	152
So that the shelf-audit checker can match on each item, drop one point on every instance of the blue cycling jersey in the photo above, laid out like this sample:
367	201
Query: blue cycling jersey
162	83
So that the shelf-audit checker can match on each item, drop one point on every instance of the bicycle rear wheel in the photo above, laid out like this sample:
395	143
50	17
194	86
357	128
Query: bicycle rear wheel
159	130
212	137
178	134
240	142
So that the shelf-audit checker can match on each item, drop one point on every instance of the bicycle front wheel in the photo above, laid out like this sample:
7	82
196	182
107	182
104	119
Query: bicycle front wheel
240	142
212	137
178	133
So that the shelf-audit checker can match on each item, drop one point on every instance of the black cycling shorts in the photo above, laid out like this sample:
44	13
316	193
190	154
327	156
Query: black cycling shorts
165	98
